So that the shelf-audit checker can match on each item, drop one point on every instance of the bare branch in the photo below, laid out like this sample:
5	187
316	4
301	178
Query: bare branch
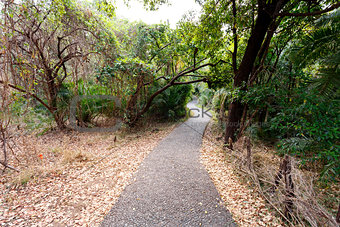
158	78
8	166
27	92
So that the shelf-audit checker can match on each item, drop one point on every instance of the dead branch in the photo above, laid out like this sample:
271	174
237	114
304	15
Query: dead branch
248	158
287	190
8	166
29	93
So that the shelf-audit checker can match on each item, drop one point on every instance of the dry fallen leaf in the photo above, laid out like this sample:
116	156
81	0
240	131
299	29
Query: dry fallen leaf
247	208
74	184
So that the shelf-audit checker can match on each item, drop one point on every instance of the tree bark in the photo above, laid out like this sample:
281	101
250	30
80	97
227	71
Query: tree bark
338	215
234	54
263	22
53	89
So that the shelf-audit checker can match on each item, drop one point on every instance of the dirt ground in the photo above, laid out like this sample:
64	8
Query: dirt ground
72	179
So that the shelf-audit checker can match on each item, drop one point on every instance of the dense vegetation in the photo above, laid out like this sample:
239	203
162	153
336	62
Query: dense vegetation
269	69
287	92
55	51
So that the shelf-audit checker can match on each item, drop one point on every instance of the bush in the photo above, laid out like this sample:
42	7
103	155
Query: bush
172	102
30	113
302	122
90	108
309	129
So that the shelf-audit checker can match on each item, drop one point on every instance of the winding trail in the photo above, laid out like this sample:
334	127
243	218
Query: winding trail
171	187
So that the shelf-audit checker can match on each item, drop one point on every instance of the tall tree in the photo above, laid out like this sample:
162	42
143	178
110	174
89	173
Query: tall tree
269	14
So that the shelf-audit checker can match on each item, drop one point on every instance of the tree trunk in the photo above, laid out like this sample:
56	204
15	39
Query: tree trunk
234	117
264	19
338	215
52	94
59	120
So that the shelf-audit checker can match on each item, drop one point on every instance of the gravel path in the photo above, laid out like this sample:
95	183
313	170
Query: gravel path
172	188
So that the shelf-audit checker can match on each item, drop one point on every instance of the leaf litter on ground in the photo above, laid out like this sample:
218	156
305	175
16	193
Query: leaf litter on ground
72	178
245	205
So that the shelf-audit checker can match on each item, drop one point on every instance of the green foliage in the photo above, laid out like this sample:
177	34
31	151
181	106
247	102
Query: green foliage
310	129
65	94
294	102
320	51
204	94
32	115
106	7
154	4
301	120
91	107
172	102
220	98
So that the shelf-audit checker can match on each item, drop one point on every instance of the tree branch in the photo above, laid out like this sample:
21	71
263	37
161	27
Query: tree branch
171	83
8	166
199	67
335	6
158	78
191	82
159	49
27	92
213	8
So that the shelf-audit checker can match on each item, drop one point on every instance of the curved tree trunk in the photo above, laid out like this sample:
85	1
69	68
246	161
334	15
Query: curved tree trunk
265	18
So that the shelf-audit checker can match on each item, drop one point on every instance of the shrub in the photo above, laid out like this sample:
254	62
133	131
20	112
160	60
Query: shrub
303	123
172	102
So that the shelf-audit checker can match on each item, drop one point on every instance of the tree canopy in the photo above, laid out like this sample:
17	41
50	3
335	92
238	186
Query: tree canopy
266	61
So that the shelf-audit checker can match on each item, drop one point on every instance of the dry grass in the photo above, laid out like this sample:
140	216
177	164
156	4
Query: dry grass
72	178
70	156
244	203
24	176
308	208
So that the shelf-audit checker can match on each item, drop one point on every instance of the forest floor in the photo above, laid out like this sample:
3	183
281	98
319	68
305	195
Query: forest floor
253	204
73	178
245	205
